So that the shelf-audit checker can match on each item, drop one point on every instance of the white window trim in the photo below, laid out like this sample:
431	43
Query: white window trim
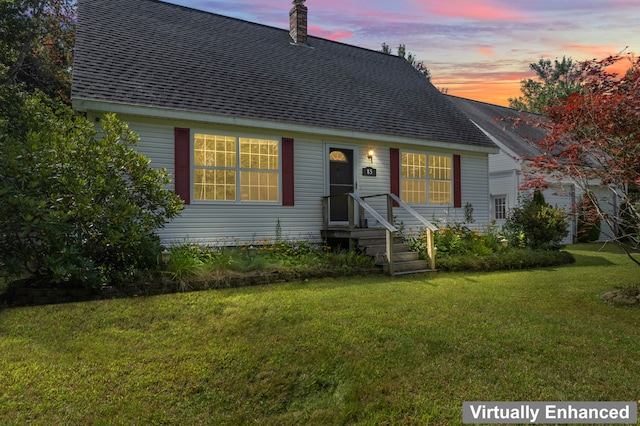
494	198
237	136
427	179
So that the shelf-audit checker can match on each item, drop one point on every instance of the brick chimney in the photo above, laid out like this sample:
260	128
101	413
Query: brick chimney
298	22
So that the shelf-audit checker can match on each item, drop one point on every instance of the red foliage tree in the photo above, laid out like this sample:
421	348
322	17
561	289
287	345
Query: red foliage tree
593	138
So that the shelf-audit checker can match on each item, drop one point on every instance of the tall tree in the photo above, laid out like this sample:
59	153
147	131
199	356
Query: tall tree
36	47
557	80
410	57
75	207
593	137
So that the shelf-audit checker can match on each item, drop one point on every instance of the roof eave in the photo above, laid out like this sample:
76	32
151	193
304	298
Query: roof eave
85	105
501	146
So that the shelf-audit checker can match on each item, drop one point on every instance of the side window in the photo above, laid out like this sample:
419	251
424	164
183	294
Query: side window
214	167
439	179
227	168
426	178
499	207
414	178
259	175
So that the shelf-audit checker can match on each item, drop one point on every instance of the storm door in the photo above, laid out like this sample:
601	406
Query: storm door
341	182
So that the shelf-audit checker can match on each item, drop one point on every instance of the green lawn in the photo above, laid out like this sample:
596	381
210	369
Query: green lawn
364	350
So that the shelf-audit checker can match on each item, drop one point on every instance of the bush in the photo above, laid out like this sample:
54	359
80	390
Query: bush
75	209
193	266
509	259
191	259
537	224
459	248
458	239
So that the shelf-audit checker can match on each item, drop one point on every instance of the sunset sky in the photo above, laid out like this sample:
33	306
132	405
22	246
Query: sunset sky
476	49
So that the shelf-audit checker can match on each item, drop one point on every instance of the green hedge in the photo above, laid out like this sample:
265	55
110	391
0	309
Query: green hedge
505	260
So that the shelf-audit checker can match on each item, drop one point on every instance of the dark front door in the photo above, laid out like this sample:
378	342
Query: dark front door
341	182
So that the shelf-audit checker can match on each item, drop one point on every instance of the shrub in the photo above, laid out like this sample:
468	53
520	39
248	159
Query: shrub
191	259
509	259
538	224
192	264
75	208
458	239
459	248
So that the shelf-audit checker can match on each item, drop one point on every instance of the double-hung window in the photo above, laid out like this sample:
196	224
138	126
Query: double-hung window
426	179
229	168
499	207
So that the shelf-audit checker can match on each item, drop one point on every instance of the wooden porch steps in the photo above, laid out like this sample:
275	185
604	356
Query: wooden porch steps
372	242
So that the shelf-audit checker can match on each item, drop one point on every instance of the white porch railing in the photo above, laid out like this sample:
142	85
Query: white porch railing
386	222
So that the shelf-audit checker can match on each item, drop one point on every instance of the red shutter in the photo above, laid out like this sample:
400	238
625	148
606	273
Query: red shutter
457	182
288	187
394	169
182	163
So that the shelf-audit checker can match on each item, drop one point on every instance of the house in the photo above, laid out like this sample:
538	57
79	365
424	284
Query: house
265	130
518	144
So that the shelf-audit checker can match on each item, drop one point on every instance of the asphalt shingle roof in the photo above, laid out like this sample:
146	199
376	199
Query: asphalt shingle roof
150	53
496	120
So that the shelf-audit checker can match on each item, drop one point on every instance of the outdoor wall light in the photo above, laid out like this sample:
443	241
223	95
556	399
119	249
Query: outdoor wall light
370	154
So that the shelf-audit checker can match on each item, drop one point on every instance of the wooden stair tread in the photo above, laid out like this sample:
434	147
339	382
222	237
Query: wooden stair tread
372	241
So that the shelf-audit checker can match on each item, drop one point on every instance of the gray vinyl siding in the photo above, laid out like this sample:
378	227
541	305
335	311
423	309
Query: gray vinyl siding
243	223
505	184
237	223
502	162
375	185
504	180
475	188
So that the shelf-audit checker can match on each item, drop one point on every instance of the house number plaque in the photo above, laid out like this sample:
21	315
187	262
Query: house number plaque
368	171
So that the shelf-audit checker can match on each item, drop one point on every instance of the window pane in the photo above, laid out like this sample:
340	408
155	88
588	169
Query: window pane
214	151
218	185
199	151
439	192
218	158
259	186
439	167
414	175
198	141
338	157
414	166
500	208
260	154
414	191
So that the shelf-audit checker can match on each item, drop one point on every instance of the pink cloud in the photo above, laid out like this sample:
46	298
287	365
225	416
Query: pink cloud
486	51
334	35
472	9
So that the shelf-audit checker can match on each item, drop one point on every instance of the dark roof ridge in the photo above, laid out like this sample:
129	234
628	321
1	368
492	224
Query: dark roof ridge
272	27
497	121
206	12
496	105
